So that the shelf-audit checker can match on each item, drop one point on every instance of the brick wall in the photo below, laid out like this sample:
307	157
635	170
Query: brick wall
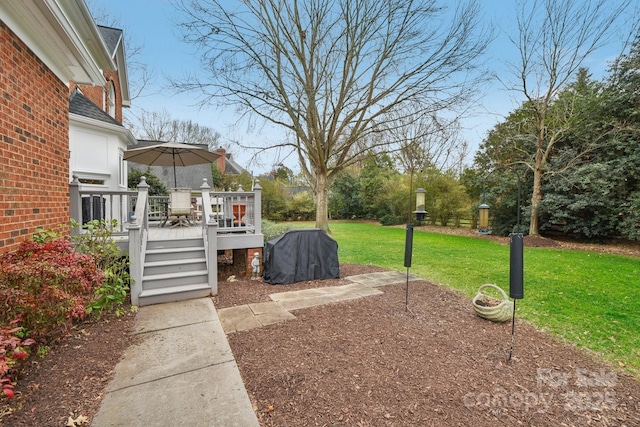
95	94
98	94
34	144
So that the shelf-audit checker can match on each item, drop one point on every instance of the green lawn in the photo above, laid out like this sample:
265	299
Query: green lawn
591	299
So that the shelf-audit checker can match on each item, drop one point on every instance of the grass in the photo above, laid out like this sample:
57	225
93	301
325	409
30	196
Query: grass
587	298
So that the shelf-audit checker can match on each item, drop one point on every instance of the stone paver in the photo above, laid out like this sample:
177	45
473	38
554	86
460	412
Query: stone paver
251	316
238	318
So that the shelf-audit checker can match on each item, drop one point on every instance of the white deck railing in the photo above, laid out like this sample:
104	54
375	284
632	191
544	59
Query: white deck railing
229	220
234	211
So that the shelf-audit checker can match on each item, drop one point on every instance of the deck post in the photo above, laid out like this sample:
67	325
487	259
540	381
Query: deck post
212	253
136	244
135	258
210	230
257	189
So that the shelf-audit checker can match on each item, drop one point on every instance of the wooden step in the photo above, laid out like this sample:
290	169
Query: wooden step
174	293
166	280
174	270
174	266
175	243
169	254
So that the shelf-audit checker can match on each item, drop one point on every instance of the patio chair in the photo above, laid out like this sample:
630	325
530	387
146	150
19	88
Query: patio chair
239	212
180	207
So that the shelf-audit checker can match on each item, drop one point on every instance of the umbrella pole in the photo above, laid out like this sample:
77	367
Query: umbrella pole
175	178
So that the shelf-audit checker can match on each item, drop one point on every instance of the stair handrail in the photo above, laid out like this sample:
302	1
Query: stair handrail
209	235
138	234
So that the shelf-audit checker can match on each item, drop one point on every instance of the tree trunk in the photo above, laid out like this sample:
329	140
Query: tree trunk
536	195
321	193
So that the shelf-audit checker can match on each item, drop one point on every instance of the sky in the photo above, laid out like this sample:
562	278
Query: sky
150	24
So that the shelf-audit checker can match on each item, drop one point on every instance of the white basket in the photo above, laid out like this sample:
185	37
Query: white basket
494	309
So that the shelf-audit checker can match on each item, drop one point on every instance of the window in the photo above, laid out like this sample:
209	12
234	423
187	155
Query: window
91	181
111	102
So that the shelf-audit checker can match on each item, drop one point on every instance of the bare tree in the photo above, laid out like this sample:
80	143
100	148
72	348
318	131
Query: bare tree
554	39
333	73
159	126
430	142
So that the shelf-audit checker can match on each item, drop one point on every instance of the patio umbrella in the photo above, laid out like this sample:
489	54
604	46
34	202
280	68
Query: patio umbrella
170	154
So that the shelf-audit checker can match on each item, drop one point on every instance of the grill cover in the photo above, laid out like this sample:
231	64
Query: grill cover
301	255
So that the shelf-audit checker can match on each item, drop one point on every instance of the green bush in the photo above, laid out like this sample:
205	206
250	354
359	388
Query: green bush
392	219
271	230
97	242
156	187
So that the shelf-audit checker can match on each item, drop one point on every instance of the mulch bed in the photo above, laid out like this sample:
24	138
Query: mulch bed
72	378
376	362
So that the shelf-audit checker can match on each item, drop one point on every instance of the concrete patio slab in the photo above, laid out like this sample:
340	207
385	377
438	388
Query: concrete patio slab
300	294
275	316
366	291
165	316
206	397
238	318
259	308
382	278
181	372
169	352
291	304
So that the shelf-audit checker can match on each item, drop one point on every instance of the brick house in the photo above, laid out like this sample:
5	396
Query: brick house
48	49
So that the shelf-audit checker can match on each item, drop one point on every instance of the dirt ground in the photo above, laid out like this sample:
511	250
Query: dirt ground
366	362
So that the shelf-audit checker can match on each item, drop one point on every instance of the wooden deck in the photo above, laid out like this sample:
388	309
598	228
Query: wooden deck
226	238
167	233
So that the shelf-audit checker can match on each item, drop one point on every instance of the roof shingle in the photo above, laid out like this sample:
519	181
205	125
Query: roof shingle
82	106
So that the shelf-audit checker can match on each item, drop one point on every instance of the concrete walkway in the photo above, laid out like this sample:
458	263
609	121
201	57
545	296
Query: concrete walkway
182	371
249	316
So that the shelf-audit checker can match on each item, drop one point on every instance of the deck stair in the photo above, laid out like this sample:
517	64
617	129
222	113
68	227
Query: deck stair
174	270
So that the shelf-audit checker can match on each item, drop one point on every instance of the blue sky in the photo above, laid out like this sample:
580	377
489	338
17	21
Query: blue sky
150	24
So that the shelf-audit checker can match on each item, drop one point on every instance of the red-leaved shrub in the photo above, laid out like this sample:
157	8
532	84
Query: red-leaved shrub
11	352
46	286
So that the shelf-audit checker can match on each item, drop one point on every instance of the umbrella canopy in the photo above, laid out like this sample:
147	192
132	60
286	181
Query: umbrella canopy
170	154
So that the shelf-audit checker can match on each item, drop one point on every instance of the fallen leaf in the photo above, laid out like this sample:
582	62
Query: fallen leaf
80	421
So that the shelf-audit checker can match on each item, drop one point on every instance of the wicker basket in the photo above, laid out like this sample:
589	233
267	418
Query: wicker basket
491	308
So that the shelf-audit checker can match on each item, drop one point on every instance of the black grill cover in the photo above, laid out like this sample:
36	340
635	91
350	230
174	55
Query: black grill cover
300	255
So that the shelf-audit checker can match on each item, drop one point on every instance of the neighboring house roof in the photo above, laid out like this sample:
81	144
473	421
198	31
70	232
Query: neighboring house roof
231	167
82	106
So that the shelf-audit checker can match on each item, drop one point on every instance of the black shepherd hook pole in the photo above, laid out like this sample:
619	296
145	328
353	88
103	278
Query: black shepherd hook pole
516	268
513	330
408	244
